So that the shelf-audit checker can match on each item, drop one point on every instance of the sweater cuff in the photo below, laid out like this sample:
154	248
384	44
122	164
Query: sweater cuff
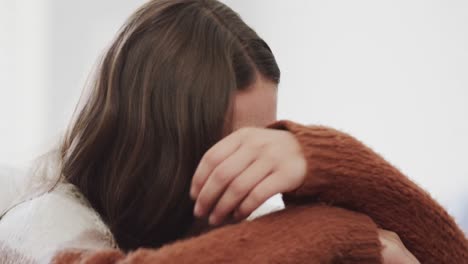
339	167
319	146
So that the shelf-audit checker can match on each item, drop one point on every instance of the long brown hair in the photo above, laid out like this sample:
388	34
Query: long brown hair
160	99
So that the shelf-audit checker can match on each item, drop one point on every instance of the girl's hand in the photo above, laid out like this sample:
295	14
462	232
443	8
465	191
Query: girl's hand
394	251
243	170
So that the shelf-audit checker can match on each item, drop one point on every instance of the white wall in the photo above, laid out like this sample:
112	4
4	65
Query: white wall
392	73
47	50
24	69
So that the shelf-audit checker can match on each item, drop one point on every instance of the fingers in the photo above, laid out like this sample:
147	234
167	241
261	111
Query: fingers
394	251
221	177
262	192
212	158
242	171
239	188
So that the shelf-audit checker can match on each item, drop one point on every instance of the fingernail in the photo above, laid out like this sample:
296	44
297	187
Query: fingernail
213	220
197	210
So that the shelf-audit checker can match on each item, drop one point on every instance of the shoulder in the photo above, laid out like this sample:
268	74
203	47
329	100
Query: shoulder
55	220
11	179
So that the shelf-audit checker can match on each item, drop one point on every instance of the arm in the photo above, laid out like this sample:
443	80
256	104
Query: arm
344	172
303	234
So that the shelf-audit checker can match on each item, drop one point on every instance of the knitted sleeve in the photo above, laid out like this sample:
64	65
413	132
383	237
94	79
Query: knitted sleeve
343	172
299	234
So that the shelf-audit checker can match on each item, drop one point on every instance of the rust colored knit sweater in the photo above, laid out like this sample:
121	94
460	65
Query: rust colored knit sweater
333	217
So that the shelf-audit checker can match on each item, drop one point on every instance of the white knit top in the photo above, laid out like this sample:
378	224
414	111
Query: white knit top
38	219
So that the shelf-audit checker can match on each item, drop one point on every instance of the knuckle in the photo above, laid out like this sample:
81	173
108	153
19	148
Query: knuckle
221	176
245	131
256	197
273	162
237	189
271	156
211	158
256	143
